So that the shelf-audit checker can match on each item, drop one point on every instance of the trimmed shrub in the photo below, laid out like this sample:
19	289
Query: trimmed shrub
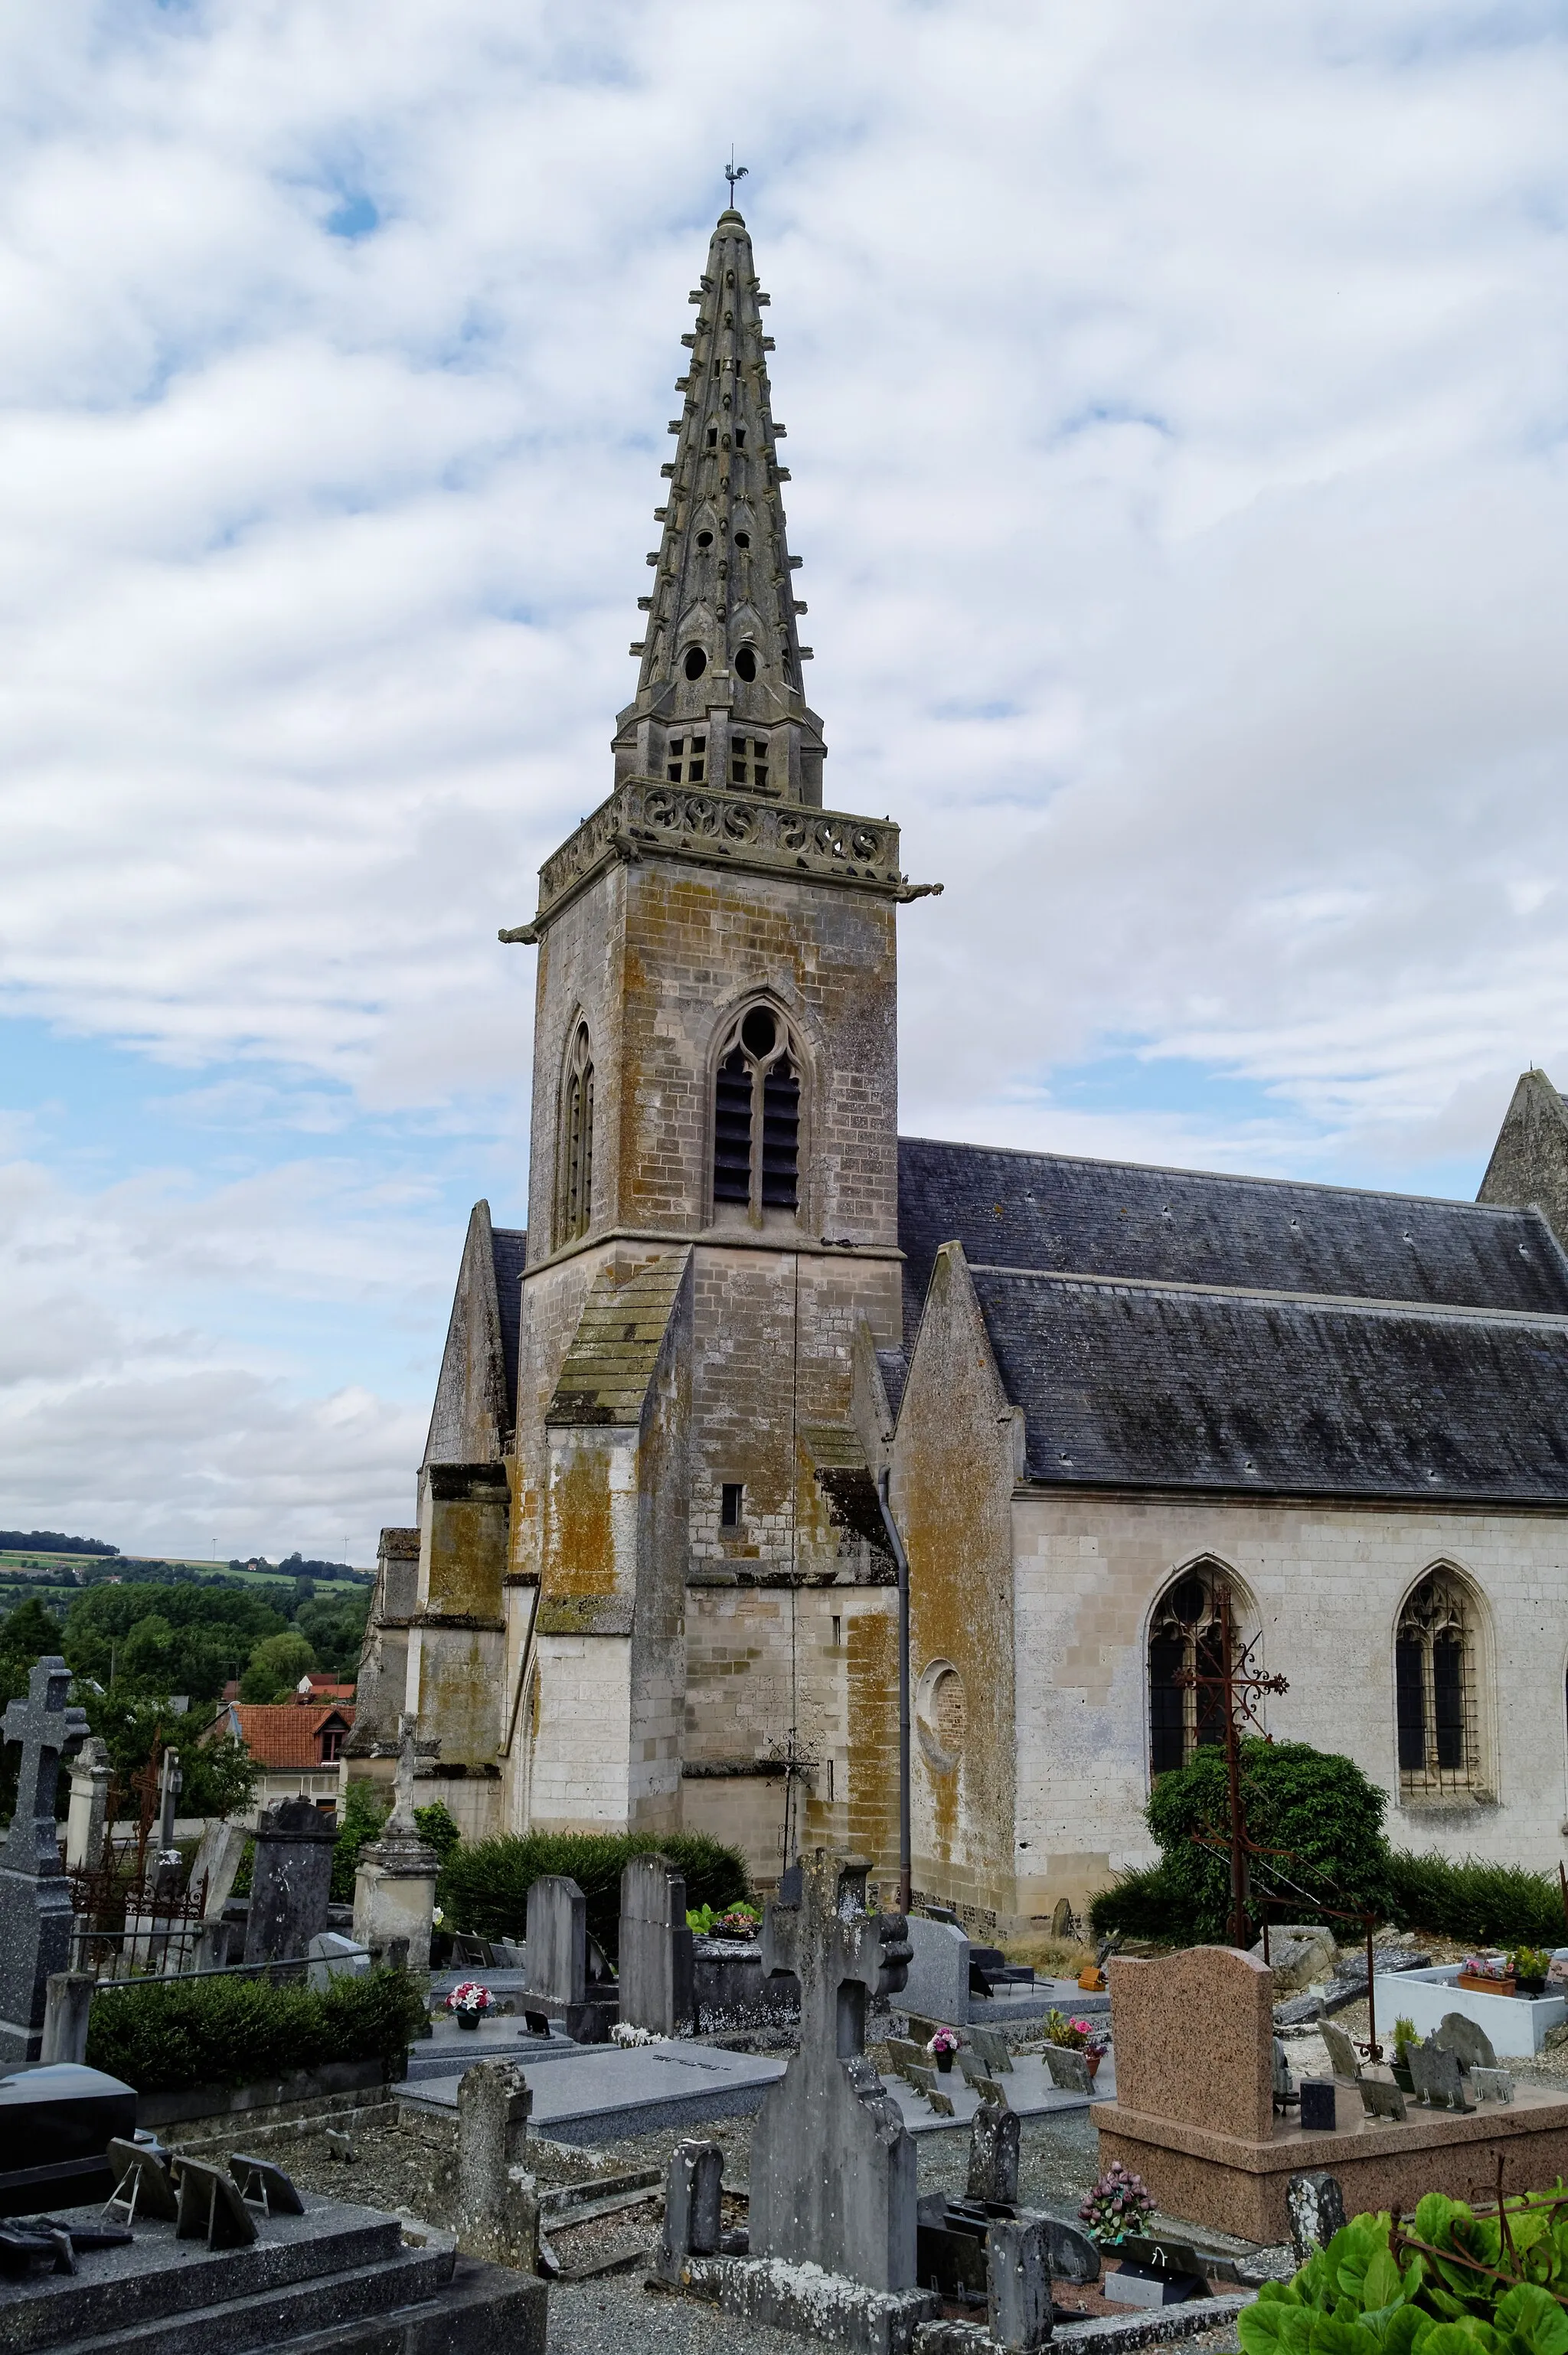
484	1890
1139	1905
170	2034
1481	1904
438	1828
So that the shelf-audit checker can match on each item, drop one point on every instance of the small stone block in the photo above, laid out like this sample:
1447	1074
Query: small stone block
1318	2105
1492	2084
1436	2076
340	2146
265	2185
941	2102
989	2091
692	2222
535	2022
1074	2257
1069	2069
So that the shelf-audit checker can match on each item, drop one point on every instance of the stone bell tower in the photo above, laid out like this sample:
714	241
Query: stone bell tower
696	1574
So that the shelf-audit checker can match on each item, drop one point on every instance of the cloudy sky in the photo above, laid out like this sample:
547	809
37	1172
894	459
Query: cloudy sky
1178	408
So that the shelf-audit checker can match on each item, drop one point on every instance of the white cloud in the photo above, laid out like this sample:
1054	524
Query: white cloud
1178	426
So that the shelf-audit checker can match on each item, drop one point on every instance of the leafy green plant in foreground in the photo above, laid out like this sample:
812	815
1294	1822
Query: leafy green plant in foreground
1450	2283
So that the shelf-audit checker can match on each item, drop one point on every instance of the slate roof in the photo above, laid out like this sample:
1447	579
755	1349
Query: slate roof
1175	1330
615	1347
509	1251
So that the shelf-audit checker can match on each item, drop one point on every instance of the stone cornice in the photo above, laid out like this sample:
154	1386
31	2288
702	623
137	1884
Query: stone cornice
712	826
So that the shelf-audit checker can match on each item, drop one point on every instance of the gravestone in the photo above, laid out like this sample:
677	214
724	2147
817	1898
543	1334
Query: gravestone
66	2009
656	1947
692	2210
35	1896
290	1882
394	1884
1492	2084
1074	2257
993	2049
1068	2069
217	1865
332	1955
1470	2045
1062	1925
833	2167
1435	2075
497	2203
1342	2056
1315	2206
937	1984
994	2156
88	1814
56	2125
556	1939
1017	2284
1217	2072
1381	2100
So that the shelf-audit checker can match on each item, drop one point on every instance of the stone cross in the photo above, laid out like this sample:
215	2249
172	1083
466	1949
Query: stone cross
497	2204
401	1824
833	2167
35	1899
394	1887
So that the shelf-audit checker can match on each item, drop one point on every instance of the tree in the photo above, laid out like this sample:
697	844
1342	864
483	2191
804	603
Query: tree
221	1777
275	1667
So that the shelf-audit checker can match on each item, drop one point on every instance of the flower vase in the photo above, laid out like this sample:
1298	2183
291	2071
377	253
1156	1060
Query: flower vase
1093	2060
944	2062
468	2019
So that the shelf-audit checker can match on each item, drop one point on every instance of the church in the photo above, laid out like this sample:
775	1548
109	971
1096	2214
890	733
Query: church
649	1585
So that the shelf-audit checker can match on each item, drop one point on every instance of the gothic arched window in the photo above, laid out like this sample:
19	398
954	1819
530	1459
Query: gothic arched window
756	1116
577	1141
1434	1687
1184	1640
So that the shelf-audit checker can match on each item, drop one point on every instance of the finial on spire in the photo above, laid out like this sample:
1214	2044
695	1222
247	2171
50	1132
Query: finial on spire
733	172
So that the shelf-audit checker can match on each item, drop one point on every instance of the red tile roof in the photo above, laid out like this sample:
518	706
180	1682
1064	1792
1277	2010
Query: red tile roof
282	1734
324	1688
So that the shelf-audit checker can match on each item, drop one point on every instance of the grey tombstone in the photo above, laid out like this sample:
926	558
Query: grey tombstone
210	2208
556	1939
66	2007
972	2069
497	2203
1062	1925
1068	2069
656	1946
994	2156
990	2091
1017	2284
833	2167
906	2056
937	1986
171	1781
291	1883
923	2080
1470	2045
1316	2207
992	2048
1319	2107
217	1865
1340	2051
332	1955
35	1897
1074	2257
1492	2084
692	2211
1381	2100
1435	2075
88	1814
394	1884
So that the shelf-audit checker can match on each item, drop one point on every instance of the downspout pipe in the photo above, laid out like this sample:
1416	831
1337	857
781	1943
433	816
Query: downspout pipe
906	1856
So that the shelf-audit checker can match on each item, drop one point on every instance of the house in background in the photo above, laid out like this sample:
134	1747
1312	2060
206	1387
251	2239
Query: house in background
316	1687
297	1747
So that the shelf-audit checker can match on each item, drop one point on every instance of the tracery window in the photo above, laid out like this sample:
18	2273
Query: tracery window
576	1140
756	1116
1434	1689
685	760
1184	1640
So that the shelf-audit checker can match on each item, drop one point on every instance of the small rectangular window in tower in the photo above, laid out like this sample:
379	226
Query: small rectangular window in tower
729	1499
838	1631
696	766
672	765
830	1782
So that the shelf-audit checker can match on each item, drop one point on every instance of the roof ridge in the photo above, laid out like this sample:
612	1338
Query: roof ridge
1227	1176
1374	1304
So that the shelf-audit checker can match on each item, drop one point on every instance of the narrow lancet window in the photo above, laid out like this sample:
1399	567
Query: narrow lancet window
1184	1641
577	1141
756	1117
1435	1691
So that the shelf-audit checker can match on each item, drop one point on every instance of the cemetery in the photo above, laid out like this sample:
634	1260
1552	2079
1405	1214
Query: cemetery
272	2118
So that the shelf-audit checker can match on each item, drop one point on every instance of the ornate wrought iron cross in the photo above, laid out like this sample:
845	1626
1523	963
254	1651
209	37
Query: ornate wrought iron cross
1238	1684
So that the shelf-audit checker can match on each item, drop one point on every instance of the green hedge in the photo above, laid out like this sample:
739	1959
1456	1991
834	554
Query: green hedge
484	1888
1483	1904
171	2034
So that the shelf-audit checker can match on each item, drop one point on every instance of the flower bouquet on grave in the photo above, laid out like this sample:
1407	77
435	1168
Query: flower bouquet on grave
738	1920
1530	1967
624	2033
941	2048
1485	1974
1119	2208
470	2002
1078	2036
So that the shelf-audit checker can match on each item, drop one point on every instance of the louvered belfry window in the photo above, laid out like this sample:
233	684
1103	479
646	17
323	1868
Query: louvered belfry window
1435	1689
577	1141
756	1116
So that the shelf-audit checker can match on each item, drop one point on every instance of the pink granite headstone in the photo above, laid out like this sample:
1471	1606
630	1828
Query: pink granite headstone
1194	2040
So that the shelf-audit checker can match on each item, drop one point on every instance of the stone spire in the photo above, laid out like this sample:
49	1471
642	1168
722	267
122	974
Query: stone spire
719	695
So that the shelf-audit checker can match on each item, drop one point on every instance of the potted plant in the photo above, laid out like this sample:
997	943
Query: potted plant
1485	1974
1404	2036
1530	1967
941	2048
1119	2208
470	2002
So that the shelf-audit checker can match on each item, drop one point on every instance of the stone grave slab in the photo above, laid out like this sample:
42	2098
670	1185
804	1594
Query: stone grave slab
655	1960
291	1885
937	1986
598	2093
